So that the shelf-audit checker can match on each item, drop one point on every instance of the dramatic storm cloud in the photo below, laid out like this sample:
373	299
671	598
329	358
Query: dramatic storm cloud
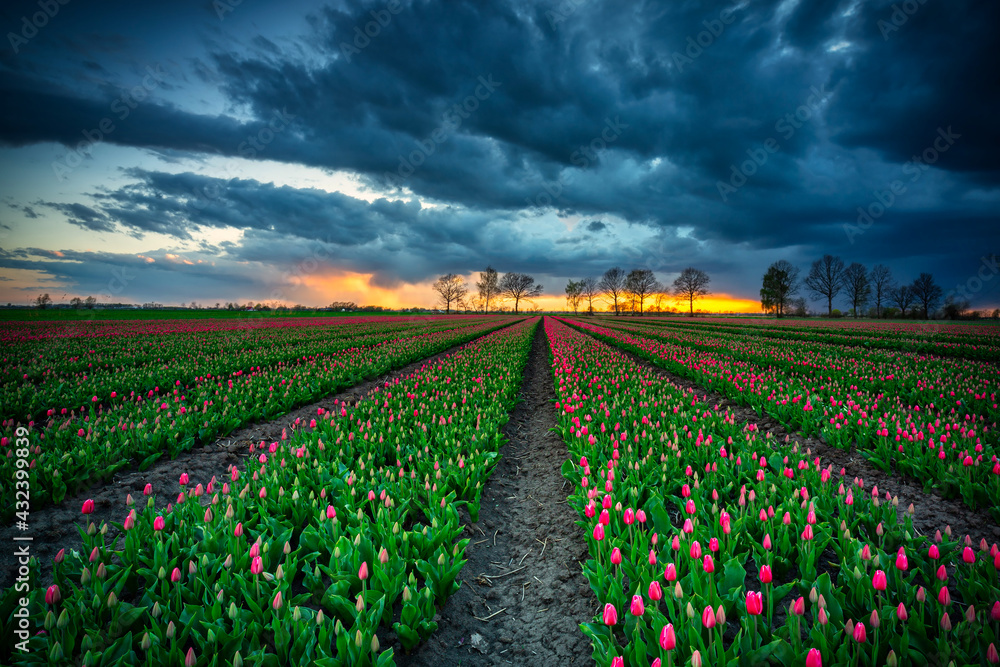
399	140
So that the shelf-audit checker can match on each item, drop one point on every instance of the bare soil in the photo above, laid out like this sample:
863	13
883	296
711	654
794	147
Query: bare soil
523	593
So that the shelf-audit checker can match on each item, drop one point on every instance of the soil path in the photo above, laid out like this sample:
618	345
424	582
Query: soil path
931	511
523	574
55	527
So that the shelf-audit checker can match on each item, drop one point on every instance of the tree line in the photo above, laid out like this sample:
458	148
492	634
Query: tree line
627	292
492	291
829	279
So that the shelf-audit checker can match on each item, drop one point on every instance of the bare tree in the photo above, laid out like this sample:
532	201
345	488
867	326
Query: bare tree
926	292
692	284
574	292
451	289
882	283
826	279
780	284
76	302
488	286
856	284
902	297
43	301
612	285
589	291
640	284
519	287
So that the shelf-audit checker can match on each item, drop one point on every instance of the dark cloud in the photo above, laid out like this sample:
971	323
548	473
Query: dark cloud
498	110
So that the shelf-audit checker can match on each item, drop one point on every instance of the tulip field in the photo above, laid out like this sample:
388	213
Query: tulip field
109	395
712	544
704	539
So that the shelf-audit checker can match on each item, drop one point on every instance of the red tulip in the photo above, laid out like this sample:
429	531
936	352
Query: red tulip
88	506
968	555
610	614
755	603
860	636
799	606
944	597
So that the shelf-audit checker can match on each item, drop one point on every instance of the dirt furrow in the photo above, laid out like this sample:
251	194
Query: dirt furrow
523	593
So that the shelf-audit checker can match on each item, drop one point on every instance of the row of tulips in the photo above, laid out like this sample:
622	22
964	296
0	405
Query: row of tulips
71	371
73	448
932	418
308	553
712	544
967	341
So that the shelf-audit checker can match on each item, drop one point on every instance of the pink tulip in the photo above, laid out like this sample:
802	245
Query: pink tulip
860	635
799	607
159	523
944	597
708	617
147	490
934	552
901	562
814	658
184	479
695	550
190	660
175	576
88	506
670	574
668	638
629	517
755	603
618	661
610	614
708	564
879	580
598	532
968	555
696	659
331	512
655	592
901	612
616	556
605	518
277	604
256	565
765	574
363	571
991	655
638	608
52	595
